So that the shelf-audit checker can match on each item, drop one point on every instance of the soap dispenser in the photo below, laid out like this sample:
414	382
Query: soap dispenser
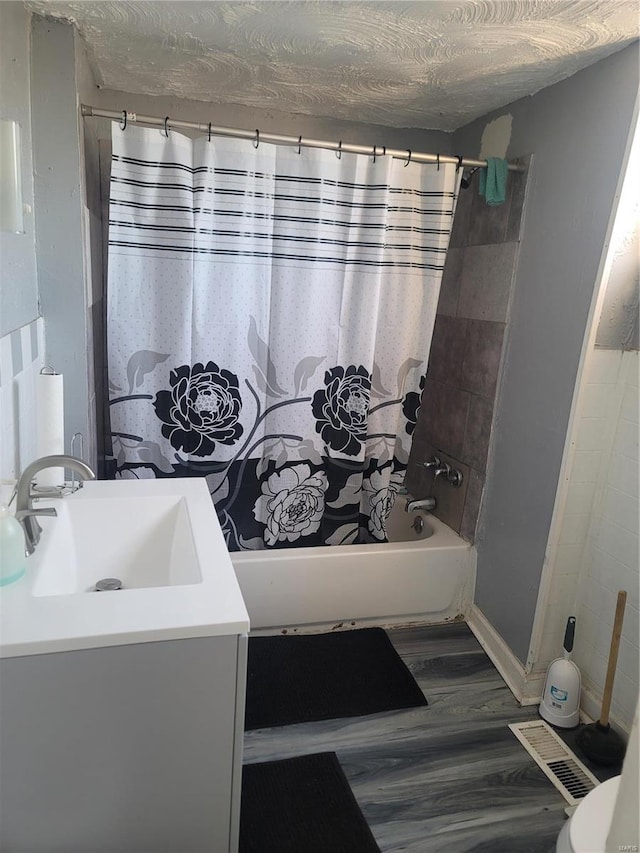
13	557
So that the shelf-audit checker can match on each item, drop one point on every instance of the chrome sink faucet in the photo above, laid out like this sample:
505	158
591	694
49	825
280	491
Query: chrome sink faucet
25	511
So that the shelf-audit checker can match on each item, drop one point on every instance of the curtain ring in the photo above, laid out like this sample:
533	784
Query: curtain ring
374	153
459	162
384	150
256	141
339	151
209	139
409	158
299	144
438	161
123	121
166	127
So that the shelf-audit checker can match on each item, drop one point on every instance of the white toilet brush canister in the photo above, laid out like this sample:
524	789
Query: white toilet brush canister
560	704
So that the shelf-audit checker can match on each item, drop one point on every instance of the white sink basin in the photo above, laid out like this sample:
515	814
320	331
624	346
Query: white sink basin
143	542
160	538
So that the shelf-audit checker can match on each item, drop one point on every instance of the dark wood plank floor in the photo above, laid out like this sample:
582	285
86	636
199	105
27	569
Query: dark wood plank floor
449	777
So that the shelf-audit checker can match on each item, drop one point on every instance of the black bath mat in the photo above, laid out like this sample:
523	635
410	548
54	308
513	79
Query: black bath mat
296	679
301	805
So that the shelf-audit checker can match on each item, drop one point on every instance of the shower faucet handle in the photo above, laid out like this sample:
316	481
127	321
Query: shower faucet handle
443	469
454	478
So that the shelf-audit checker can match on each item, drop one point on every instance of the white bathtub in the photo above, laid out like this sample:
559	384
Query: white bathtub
426	580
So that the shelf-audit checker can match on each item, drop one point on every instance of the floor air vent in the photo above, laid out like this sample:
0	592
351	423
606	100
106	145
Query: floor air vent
556	760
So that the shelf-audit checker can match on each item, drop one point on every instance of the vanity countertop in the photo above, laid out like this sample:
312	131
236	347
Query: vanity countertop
44	612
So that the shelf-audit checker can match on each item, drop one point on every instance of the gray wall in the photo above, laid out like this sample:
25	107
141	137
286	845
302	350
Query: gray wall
577	130
61	217
18	288
92	247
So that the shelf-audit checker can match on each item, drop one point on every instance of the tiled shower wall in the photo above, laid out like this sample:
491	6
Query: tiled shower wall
457	408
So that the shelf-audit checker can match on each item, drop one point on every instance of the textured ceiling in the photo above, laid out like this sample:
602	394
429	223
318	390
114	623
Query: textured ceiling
433	65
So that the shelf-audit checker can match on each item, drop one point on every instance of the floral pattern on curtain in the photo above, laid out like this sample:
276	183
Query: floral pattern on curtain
269	321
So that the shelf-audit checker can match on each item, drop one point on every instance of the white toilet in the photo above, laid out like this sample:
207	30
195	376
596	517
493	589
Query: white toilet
587	829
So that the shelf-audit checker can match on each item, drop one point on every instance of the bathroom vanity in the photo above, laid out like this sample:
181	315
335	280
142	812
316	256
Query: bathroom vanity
122	712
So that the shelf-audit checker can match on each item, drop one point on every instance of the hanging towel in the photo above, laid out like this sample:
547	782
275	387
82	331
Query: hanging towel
493	181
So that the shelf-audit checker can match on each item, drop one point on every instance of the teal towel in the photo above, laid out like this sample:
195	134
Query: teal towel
493	180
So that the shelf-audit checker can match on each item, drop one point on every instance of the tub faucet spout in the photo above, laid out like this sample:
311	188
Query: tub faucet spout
25	511
426	504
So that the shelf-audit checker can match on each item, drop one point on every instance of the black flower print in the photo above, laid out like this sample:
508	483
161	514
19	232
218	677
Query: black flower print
291	504
380	494
201	408
341	408
411	407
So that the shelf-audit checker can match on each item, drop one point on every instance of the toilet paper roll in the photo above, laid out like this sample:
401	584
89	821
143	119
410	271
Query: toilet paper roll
49	425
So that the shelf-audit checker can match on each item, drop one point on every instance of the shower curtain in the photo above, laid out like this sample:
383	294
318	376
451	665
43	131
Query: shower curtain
269	318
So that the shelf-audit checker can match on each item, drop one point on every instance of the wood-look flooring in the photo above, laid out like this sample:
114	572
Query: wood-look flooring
448	777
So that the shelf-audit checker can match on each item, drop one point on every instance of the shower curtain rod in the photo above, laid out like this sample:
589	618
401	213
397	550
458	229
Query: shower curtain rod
257	136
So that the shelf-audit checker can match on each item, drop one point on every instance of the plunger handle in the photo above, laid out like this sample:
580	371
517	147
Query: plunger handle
613	659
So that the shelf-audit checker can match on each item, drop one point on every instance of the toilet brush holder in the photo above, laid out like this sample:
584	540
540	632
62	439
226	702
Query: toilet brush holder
560	704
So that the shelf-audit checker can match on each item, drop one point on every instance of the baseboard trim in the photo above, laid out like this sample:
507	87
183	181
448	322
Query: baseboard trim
533	688
527	688
507	664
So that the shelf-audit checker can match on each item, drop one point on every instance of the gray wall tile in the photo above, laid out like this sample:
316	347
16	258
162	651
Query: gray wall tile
516	205
485	284
487	223
416	480
447	349
481	362
444	415
465	356
450	285
478	432
460	230
473	499
450	501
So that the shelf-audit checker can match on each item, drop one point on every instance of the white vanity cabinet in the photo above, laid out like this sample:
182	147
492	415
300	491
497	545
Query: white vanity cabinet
134	749
122	712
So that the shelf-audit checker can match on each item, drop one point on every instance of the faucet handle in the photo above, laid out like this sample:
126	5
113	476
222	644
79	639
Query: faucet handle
45	492
32	529
454	478
442	470
29	513
435	463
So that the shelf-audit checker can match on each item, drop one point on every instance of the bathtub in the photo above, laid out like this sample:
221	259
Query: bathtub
424	576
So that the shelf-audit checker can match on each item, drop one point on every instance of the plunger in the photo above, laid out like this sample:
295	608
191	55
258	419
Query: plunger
599	741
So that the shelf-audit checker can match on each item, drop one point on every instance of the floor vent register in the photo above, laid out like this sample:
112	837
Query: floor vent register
555	759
